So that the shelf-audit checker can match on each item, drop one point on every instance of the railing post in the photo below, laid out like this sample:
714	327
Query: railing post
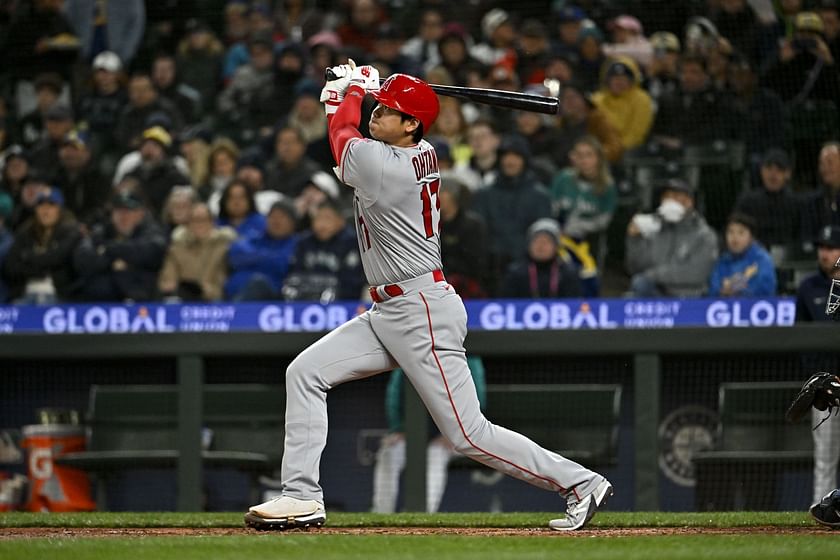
646	384
190	412
416	439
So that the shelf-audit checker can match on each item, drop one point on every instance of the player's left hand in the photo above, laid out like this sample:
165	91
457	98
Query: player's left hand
366	77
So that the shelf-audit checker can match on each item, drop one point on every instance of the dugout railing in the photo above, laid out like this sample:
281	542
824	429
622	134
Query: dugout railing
645	352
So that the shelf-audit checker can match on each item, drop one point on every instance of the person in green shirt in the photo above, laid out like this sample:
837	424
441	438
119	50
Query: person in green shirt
584	196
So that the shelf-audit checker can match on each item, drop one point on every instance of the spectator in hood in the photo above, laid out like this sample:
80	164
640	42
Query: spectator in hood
121	257
542	273
628	107
512	203
326	264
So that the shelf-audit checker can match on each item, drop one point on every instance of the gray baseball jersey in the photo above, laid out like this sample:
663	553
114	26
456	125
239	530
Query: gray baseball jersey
420	327
396	208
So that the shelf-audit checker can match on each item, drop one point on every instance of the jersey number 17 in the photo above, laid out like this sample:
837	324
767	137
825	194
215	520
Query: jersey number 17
427	191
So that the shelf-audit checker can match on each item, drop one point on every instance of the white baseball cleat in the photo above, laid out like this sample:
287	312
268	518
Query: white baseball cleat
579	512
285	512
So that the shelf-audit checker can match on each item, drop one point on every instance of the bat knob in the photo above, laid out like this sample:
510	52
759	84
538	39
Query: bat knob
330	75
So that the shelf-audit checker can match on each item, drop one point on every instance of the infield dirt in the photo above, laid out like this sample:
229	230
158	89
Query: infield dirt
103	532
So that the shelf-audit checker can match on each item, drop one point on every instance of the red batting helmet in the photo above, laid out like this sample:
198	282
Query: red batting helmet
411	96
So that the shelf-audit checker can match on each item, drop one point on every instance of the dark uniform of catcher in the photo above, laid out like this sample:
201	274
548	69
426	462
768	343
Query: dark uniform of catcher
822	393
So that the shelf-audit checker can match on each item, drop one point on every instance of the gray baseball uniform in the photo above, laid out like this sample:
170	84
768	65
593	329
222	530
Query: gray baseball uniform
417	322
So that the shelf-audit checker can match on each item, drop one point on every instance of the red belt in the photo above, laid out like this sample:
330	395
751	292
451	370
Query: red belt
394	290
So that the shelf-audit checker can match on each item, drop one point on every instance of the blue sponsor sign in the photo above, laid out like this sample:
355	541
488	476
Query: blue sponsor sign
313	317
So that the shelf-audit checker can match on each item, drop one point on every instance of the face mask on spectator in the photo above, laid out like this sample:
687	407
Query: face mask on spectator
671	211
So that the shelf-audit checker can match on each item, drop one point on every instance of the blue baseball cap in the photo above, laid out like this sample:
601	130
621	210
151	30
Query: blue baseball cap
51	195
568	14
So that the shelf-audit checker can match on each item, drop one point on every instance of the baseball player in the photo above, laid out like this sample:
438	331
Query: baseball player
417	321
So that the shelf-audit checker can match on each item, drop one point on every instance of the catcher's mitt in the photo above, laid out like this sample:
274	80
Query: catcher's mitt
822	391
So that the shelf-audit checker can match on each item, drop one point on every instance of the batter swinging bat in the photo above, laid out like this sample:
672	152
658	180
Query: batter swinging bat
495	97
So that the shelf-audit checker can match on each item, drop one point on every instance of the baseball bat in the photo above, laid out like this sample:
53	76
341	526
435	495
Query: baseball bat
495	97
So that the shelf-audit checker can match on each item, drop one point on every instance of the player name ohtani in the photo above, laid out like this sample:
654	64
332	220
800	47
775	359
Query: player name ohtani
425	163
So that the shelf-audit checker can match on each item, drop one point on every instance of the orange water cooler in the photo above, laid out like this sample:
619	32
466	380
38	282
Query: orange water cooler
54	487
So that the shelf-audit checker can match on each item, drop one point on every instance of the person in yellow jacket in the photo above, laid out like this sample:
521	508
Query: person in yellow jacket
628	107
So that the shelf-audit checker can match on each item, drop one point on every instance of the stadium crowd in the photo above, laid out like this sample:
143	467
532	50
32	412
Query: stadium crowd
151	153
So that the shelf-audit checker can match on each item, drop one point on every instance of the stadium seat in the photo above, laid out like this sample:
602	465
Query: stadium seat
135	426
755	445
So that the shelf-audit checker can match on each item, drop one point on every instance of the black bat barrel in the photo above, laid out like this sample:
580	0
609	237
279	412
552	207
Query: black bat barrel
495	97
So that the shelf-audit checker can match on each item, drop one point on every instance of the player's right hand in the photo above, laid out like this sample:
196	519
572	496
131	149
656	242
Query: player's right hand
366	77
333	91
